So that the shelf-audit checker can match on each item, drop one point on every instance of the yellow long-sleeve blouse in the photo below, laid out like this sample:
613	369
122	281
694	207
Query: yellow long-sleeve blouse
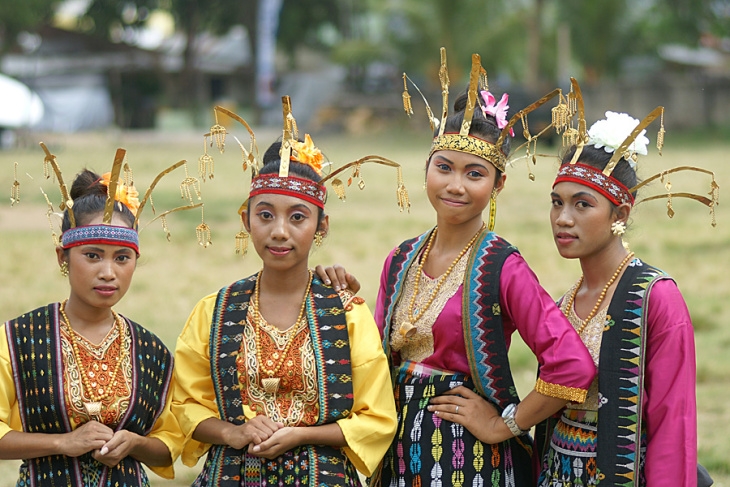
368	430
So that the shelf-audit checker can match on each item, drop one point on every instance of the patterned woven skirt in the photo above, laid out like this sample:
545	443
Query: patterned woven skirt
571	459
430	451
291	468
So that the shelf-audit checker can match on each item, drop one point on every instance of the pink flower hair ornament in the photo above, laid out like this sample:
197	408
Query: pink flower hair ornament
497	110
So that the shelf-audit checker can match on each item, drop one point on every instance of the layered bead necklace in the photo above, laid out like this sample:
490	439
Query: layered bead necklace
597	306
408	328
271	366
94	390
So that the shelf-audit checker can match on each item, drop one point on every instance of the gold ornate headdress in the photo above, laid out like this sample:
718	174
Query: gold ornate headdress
292	149
463	141
624	137
120	190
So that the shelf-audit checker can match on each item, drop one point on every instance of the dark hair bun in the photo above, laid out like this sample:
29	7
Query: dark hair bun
87	183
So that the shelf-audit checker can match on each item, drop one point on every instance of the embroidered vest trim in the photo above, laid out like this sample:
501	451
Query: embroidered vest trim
226	466
621	371
481	321
35	351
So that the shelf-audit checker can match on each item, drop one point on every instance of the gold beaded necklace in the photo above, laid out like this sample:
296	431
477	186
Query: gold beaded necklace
601	296
271	383
408	328
93	407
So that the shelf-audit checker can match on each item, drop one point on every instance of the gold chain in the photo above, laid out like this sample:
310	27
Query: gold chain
441	280
597	306
82	371
257	318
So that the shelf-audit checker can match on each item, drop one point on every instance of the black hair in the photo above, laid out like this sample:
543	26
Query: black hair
599	158
483	126
89	199
272	162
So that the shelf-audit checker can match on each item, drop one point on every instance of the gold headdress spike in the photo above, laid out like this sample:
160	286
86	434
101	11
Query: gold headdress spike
471	100
49	161
290	134
120	190
444	80
112	188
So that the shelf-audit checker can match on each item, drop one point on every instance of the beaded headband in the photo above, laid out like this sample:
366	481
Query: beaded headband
100	235
120	191
292	150
623	136
463	141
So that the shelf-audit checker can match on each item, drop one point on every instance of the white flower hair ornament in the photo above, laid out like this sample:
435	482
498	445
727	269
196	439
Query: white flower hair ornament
611	132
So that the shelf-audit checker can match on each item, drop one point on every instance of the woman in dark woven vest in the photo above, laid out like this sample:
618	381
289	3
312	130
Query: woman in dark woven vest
281	379
84	398
450	301
638	424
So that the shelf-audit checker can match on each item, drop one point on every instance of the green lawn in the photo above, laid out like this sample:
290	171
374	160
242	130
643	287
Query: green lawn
172	276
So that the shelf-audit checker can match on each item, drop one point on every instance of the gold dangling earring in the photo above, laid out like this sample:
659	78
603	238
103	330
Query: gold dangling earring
64	269
492	210
618	228
318	238
242	241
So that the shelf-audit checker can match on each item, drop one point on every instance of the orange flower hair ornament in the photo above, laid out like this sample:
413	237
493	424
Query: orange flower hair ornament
307	153
126	193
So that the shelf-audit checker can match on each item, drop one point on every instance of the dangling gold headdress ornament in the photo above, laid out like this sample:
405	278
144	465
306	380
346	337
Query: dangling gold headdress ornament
478	96
624	137
120	191
292	149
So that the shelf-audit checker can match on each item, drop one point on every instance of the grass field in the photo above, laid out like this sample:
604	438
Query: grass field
172	276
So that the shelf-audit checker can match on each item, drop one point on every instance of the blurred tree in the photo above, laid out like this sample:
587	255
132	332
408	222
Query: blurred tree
601	32
301	22
16	17
119	21
496	29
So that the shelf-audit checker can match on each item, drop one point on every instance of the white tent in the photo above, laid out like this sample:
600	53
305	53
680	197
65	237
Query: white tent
19	106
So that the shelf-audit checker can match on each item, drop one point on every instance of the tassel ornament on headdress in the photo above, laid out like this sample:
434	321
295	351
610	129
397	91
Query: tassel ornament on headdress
15	188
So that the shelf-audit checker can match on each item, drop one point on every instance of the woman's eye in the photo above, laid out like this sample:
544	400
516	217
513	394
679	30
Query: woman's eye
265	215
443	167
475	174
92	255
556	203
297	217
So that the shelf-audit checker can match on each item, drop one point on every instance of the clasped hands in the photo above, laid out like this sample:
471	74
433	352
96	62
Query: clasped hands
263	437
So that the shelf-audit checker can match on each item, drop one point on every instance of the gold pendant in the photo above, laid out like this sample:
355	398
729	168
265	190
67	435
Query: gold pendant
407	330
271	384
93	409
